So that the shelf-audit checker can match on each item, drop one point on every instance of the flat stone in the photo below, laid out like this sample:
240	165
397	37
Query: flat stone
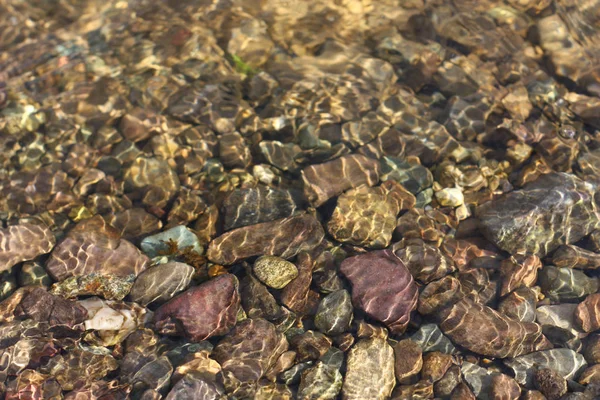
425	262
575	257
322	382
366	216
555	209
369	370
247	352
503	387
93	246
565	362
283	238
274	272
42	306
587	313
566	284
251	206
24	242
330	179
408	360
478	378
161	282
382	287
335	313
202	311
498	336
431	338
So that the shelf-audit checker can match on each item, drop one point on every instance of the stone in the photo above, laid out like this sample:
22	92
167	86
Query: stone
369	370
450	197
322	382
518	271
247	352
366	216
424	261
498	336
503	387
160	283
462	392
445	386
111	321
421	390
196	386
382	287
249	206
439	294
550	383
558	325
310	345
566	284
93	246
565	362
283	238
590	375
274	272
335	313
42	306
330	179
147	174
575	257
555	209
431	338
408	360
478	378
107	286
80	366
273	391
587	314
207	310
295	295
24	242
435	365
180	237
234	151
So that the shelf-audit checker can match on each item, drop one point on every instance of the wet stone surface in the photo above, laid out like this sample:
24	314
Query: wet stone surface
230	199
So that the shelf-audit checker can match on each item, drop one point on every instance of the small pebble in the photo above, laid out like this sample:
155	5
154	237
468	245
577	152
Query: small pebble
274	272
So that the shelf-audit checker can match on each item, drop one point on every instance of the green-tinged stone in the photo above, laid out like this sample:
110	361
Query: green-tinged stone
334	314
274	272
33	273
321	382
109	287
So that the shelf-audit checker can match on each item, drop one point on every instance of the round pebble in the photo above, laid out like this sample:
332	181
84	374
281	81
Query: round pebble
275	272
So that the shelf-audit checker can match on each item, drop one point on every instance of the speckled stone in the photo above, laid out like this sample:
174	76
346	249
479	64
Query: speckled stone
274	272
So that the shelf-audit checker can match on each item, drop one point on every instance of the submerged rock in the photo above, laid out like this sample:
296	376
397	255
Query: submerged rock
335	313
322	382
107	286
283	238
24	242
330	179
498	336
366	216
382	287
93	246
202	311
566	284
555	209
369	370
179	237
565	362
274	272
161	282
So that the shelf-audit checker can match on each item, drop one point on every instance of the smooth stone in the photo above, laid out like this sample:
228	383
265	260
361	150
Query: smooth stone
42	306
566	362
503	387
408	360
322	382
566	284
369	370
587	313
158	244
450	197
274	272
430	338
161	282
478	378
24	242
335	313
557	208
201	312
383	287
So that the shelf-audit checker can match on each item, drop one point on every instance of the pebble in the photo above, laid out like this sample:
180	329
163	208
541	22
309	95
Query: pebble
450	197
550	383
24	242
587	316
565	362
335	313
160	283
408	360
181	237
274	272
322	382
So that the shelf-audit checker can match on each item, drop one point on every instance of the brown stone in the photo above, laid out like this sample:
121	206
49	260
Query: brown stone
587	313
550	383
24	242
518	271
435	365
330	179
575	257
462	392
408	360
503	387
283	238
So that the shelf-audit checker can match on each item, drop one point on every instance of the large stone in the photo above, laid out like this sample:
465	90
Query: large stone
498	336
202	311
369	370
382	287
366	216
555	209
251	206
330	179
283	238
247	352
161	283
24	242
42	306
93	246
